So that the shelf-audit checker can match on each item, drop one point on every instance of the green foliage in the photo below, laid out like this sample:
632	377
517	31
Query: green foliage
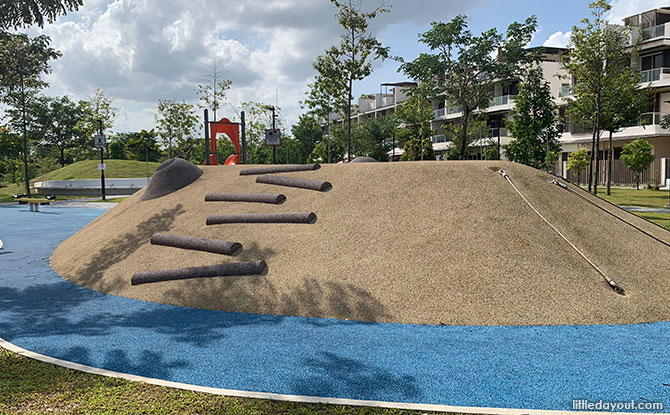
373	139
535	125
213	89
465	67
21	13
637	156
176	123
140	145
418	149
331	149
578	161
491	149
258	119
117	150
58	122
478	129
308	133
98	107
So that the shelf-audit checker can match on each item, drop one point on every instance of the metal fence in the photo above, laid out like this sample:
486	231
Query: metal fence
622	175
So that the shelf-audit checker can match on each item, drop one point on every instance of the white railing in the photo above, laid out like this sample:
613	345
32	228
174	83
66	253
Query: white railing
653	32
651	75
454	109
502	100
440	138
649	118
438	113
565	91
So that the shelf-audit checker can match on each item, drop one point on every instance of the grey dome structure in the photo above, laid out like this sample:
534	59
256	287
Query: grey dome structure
363	159
170	176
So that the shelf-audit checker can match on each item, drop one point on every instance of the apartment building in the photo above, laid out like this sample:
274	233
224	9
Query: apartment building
652	27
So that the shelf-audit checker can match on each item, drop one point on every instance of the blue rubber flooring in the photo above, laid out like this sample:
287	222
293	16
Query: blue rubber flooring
537	367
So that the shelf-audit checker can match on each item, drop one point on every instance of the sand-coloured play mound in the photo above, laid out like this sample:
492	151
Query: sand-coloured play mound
415	242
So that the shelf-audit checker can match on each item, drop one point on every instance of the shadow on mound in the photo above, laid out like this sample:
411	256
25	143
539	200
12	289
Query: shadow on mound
170	176
122	247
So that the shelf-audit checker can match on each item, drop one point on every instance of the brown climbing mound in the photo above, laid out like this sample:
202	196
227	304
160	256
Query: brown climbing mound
414	242
171	175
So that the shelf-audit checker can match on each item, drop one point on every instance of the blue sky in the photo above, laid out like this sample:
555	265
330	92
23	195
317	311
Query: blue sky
140	51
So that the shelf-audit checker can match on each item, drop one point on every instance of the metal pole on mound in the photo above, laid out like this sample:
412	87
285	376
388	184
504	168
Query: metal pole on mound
274	148
207	153
102	162
244	139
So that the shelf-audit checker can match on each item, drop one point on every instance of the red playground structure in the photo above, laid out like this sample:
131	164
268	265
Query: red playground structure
232	131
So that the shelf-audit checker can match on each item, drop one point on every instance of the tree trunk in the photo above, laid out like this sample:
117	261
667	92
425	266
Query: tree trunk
62	157
26	180
610	160
593	149
464	133
597	175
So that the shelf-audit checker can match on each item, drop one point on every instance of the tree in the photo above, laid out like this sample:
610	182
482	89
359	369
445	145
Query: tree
99	107
418	148
117	150
600	63
23	60
477	130
326	96
21	13
352	60
637	156
578	161
58	121
258	118
374	140
535	125
308	133
624	98
465	67
331	150
213	89
176	123
142	145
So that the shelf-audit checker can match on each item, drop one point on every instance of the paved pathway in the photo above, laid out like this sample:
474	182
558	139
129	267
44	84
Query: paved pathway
540	367
645	209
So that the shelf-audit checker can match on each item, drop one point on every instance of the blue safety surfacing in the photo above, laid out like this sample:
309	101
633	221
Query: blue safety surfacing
535	367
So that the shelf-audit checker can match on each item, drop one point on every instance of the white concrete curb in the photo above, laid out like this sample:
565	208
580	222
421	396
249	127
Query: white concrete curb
292	398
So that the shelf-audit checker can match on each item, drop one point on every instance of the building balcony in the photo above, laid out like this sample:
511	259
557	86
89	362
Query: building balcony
438	113
565	91
654	32
440	138
649	118
653	75
502	100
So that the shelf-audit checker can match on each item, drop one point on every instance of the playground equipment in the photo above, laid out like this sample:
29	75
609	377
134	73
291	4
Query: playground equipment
231	130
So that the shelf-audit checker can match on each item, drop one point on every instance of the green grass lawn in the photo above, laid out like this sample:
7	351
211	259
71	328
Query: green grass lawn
633	197
87	169
643	197
31	387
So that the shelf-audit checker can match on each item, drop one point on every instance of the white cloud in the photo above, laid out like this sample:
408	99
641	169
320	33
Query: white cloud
558	40
139	51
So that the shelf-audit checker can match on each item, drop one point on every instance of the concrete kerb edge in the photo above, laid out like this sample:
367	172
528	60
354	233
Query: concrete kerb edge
290	398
